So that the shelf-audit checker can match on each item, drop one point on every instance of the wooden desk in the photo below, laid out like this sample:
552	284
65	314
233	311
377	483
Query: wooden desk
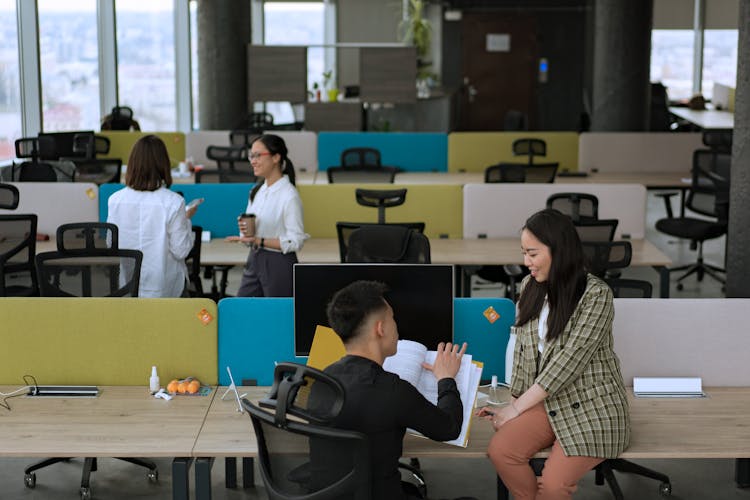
120	422
460	252
705	118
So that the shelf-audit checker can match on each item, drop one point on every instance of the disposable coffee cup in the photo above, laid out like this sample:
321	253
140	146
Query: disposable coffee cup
249	224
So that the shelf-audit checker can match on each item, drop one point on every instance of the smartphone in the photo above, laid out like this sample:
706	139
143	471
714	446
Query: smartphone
194	203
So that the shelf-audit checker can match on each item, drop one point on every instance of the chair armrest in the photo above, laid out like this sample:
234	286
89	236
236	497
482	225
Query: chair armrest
667	202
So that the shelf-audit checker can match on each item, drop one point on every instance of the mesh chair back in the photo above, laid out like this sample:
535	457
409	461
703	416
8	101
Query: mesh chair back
89	273
577	206
98	171
27	147
84	236
88	145
360	157
601	256
232	163
344	231
121	118
301	455
520	172
30	171
381	199
718	140
596	230
243	137
529	147
709	190
17	250
193	262
388	244
630	289
361	175
9	196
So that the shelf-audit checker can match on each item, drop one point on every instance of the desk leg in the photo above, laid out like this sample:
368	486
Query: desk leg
502	490
230	472
742	472
248	472
180	481
203	477
663	281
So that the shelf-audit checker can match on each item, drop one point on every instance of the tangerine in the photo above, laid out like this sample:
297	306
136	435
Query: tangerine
172	386
182	387
193	386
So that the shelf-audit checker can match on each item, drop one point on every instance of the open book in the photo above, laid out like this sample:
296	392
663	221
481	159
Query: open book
407	364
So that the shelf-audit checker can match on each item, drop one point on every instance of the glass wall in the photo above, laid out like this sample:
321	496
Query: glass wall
68	49
194	61
10	81
719	59
672	61
146	62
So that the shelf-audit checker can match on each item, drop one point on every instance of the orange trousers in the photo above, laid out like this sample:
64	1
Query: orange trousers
517	441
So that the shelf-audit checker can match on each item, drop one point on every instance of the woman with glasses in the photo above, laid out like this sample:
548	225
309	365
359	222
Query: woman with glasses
278	233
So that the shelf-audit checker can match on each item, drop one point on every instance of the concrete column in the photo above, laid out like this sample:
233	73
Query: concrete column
738	239
224	30
622	48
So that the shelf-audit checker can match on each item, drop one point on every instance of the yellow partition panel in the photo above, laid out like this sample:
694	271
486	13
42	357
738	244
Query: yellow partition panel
121	143
108	341
439	206
475	151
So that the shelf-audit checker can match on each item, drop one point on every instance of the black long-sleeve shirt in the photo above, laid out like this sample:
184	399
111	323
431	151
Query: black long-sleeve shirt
381	405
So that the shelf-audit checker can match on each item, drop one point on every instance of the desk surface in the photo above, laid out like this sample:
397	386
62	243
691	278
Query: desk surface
705	118
443	251
121	421
711	427
652	180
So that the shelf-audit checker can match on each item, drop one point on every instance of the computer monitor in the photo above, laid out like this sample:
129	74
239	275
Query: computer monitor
59	144
421	296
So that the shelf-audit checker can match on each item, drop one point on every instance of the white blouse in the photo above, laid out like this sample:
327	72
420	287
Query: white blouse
155	223
278	214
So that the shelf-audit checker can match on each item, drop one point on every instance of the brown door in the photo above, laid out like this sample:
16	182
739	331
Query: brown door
499	57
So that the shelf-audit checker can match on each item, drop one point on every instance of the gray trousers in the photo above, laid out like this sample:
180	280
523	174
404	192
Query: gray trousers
267	274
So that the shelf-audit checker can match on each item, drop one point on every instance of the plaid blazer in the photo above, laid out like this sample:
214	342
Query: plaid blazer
586	405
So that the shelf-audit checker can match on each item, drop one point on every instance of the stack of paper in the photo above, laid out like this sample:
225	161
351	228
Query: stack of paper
668	387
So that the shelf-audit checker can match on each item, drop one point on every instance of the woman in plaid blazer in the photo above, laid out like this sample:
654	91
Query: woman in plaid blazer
567	389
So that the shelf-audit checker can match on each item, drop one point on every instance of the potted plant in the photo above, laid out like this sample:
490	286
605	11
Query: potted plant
417	30
333	93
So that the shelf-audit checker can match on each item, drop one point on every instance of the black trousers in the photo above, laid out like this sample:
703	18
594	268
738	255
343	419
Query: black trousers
267	274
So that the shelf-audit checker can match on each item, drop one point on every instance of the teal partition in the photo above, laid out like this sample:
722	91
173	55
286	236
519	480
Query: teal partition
256	332
218	213
410	151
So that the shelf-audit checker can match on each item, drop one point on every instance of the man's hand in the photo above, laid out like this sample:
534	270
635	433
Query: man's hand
447	361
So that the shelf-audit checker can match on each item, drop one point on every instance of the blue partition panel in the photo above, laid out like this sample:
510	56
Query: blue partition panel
218	213
253	334
410	151
487	340
256	332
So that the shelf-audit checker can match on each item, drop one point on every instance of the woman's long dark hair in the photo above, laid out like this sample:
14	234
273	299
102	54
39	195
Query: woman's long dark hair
276	146
567	275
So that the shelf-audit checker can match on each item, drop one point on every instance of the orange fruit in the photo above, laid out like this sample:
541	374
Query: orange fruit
193	386
182	387
172	386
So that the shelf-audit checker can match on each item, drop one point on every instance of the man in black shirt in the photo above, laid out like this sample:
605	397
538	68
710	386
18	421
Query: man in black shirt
379	403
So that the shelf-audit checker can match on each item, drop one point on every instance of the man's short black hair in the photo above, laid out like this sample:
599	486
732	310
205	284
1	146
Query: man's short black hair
353	304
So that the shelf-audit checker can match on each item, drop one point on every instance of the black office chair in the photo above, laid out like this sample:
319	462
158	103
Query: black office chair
98	171
257	121
344	231
361	175
9	196
630	288
121	118
521	172
83	236
388	244
360	157
17	249
232	163
603	256
301	456
530	147
243	137
380	199
193	262
596	230
708	196
719	140
34	170
577	206
207	176
88	145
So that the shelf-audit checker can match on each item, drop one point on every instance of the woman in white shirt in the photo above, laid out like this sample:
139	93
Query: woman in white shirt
279	231
153	219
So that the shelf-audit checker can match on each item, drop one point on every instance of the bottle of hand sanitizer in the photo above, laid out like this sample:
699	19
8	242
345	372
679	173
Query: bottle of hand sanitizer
153	382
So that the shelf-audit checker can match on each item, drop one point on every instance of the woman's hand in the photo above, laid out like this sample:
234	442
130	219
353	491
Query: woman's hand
190	211
498	416
247	240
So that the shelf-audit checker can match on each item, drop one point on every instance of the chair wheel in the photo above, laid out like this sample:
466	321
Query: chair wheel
680	286
153	475
665	489
85	493
29	480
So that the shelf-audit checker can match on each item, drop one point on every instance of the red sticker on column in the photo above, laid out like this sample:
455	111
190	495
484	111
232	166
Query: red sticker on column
205	316
491	314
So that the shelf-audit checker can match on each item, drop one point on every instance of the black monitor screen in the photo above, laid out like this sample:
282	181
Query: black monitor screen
421	296
61	145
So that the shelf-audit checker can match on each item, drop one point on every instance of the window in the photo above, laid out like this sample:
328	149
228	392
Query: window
10	99
194	61
672	61
296	23
719	59
146	61
68	50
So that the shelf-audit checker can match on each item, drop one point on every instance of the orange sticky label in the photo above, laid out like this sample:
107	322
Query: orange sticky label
491	314
91	193
205	316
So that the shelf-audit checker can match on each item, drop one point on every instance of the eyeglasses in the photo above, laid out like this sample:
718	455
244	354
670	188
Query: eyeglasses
256	156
